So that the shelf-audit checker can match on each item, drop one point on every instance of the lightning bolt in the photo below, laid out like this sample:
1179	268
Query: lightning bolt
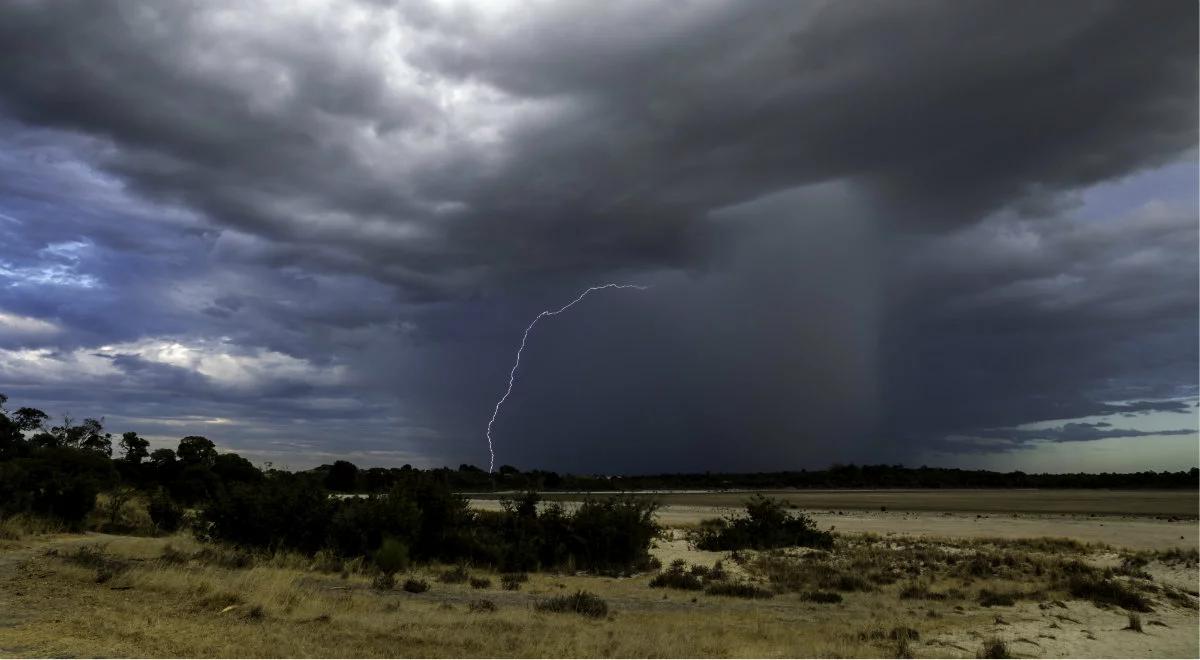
512	375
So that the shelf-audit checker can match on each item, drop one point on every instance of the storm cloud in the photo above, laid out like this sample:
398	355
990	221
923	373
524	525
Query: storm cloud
314	231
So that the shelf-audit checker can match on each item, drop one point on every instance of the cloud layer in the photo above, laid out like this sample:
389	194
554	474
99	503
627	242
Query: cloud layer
870	228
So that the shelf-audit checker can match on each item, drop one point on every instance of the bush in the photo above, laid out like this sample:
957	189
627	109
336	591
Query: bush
164	513
581	602
994	648
513	581
415	586
676	578
480	583
824	597
384	582
456	575
767	524
738	590
392	556
989	598
1108	591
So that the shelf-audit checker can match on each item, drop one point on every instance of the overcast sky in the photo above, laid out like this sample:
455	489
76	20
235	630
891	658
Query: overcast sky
957	233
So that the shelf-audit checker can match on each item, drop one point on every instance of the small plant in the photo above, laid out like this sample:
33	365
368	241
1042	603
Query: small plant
415	586
738	590
391	557
994	647
480	583
456	575
481	605
513	581
1135	622
823	597
384	582
581	602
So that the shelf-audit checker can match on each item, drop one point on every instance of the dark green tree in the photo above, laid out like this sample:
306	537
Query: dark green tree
134	446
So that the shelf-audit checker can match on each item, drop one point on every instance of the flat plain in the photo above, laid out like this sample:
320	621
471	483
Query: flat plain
937	574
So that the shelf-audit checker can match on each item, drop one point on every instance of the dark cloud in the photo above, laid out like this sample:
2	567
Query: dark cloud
868	227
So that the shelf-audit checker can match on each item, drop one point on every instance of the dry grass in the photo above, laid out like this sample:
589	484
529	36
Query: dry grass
176	597
174	607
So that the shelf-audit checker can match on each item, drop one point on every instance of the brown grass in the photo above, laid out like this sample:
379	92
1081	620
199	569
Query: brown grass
177	597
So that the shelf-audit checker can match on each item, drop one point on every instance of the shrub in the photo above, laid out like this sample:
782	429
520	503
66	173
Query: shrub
581	602
513	581
481	605
1108	591
989	598
823	597
738	590
392	556
166	515
676	578
994	648
456	575
415	586
767	524
480	583
384	582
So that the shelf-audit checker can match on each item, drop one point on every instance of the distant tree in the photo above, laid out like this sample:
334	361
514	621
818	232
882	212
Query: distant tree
89	435
342	477
197	450
134	446
232	468
30	419
162	458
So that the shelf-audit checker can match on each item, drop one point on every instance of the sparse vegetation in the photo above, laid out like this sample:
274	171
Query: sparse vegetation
738	590
581	602
415	586
994	647
767	524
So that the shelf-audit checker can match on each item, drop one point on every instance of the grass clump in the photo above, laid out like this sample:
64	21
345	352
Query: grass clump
676	577
456	575
1135	622
823	597
481	605
738	590
513	581
415	586
480	583
994	647
581	602
384	582
1105	591
989	598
